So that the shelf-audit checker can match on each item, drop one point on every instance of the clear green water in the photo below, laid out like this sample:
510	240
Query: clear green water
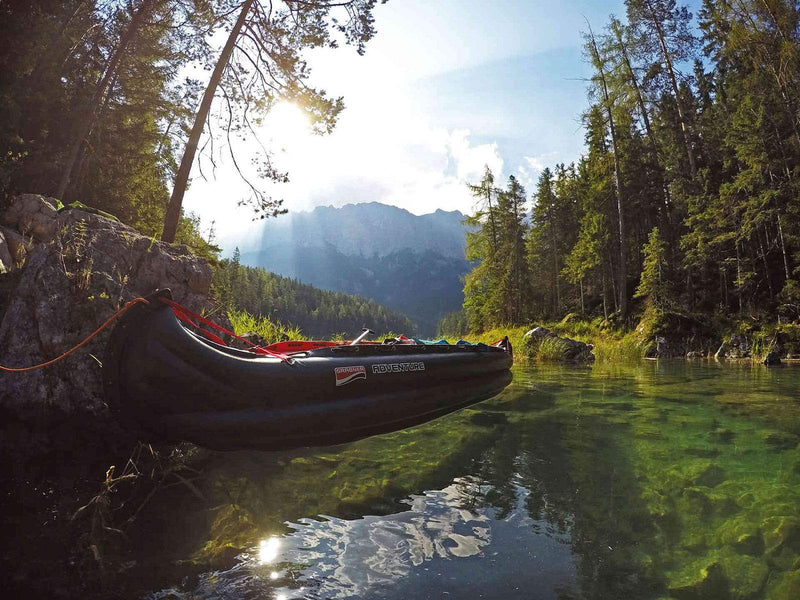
658	480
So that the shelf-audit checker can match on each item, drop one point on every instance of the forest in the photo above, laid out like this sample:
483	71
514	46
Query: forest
687	198
317	313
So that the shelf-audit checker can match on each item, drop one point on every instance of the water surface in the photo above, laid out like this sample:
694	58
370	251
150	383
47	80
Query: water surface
657	480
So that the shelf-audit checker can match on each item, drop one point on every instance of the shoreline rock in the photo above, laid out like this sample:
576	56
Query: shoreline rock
573	350
80	268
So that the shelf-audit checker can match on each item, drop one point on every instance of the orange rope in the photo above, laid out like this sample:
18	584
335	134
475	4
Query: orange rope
111	319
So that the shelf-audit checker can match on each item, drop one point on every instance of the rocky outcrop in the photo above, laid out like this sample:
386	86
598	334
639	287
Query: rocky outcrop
540	343
78	269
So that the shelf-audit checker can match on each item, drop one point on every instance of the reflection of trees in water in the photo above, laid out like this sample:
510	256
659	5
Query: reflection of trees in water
577	480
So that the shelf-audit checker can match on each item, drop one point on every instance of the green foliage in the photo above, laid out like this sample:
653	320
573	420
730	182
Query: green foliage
653	284
498	288
688	193
619	349
455	324
189	233
271	331
545	349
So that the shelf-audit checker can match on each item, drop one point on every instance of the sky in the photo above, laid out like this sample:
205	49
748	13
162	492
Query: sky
445	88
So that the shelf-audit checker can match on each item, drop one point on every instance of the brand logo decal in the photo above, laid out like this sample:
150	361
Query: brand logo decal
345	375
398	367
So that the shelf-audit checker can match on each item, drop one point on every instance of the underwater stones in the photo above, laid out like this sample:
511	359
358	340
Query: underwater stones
781	532
488	419
694	541
749	543
742	535
746	500
786	586
722	436
701	579
781	440
711	476
695	502
745	575
703	452
785	560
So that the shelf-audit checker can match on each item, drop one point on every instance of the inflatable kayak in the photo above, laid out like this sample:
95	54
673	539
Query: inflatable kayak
179	385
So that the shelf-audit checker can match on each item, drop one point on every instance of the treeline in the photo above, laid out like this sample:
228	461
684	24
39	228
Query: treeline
96	105
318	313
688	196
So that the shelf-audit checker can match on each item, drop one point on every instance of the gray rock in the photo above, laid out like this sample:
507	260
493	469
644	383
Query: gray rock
6	260
539	332
68	286
574	351
34	215
739	347
18	246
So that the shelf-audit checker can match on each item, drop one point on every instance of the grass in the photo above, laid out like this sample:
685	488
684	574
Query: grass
549	350
611	348
271	331
610	345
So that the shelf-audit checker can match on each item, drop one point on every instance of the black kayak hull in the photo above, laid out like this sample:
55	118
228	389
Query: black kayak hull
177	386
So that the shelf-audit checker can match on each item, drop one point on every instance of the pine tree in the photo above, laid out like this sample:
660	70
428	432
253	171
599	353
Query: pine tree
653	285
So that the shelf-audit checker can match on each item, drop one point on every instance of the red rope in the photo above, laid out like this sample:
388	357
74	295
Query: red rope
186	315
110	320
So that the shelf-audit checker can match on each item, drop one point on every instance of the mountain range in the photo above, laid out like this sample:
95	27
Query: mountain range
411	263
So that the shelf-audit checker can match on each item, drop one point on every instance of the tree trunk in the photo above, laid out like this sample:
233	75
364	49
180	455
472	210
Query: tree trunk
87	123
766	264
182	178
674	81
645	116
738	275
555	265
623	255
783	250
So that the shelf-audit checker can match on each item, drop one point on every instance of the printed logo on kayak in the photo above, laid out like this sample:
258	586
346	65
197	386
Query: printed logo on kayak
345	375
398	367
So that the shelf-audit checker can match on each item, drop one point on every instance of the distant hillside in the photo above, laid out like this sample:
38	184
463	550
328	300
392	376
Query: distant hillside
410	263
318	313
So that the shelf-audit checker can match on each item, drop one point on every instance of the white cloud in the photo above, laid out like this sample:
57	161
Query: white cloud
385	152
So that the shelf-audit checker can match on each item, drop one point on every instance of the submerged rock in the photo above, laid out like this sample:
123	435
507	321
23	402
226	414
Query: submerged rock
786	586
701	579
781	440
81	270
781	532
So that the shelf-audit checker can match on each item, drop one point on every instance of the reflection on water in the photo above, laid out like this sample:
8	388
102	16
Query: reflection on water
268	550
649	481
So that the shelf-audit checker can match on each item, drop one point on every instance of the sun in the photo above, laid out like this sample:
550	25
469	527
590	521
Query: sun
286	124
